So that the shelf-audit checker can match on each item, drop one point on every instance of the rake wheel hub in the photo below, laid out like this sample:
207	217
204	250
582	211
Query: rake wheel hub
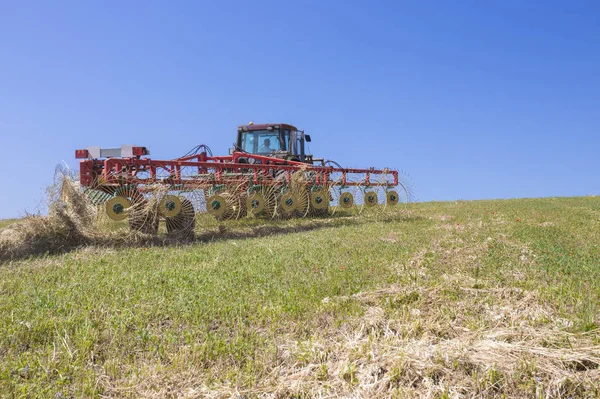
392	198
116	208
370	198
288	203
346	200
318	200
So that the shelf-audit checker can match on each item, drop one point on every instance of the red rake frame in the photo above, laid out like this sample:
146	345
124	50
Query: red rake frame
209	171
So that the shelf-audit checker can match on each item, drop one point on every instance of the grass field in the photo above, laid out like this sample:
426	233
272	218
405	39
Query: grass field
6	222
452	299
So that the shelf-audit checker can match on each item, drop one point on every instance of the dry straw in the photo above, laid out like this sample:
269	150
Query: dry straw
72	221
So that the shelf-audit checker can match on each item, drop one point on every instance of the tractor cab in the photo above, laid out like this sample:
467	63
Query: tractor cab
277	140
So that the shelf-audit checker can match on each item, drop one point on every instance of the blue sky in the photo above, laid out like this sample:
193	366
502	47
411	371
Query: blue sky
473	99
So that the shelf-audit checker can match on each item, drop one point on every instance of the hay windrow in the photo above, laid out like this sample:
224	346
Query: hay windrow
72	222
67	225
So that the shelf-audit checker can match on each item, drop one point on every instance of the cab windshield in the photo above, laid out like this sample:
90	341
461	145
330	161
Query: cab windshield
265	142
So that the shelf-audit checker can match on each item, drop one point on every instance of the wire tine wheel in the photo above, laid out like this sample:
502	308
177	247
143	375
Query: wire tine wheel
404	190
143	213
393	197
292	201
364	197
239	194
347	192
389	194
335	182
290	198
122	207
261	200
318	194
227	203
372	199
99	192
179	207
299	187
131	211
320	197
381	188
96	196
343	196
287	203
285	200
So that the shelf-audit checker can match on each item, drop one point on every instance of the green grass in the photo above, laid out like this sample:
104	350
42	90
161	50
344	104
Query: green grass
6	222
252	304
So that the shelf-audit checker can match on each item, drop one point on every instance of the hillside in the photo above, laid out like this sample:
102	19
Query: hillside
6	222
452	299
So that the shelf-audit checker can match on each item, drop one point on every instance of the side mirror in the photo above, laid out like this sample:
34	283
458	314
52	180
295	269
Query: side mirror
307	137
231	151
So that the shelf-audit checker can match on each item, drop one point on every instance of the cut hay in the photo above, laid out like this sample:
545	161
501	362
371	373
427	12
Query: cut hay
66	226
72	221
424	353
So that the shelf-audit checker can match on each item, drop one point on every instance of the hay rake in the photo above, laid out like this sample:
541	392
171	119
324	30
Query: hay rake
267	175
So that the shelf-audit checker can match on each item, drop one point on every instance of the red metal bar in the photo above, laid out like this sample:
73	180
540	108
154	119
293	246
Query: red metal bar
109	168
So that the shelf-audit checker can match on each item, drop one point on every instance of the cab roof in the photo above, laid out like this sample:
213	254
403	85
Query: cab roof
264	126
